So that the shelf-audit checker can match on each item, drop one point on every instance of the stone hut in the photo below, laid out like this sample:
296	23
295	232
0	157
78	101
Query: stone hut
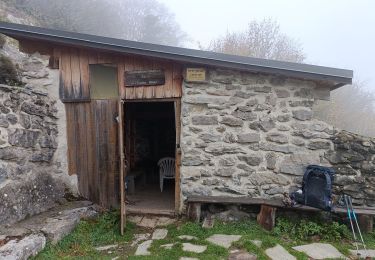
235	126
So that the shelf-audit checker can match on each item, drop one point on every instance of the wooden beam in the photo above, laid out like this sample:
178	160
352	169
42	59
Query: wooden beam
266	217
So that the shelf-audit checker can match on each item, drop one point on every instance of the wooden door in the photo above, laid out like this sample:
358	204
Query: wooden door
122	165
177	112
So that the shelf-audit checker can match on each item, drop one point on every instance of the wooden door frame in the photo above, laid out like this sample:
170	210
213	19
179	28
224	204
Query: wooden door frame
177	112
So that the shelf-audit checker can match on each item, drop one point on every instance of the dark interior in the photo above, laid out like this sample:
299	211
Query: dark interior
150	135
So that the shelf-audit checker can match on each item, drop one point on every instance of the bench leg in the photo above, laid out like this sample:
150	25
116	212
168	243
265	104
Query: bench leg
194	212
366	223
266	217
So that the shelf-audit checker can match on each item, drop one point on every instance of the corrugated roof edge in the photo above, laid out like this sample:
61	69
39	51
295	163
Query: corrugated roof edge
339	77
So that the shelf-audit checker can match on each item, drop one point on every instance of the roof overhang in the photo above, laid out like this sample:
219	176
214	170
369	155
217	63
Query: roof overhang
337	77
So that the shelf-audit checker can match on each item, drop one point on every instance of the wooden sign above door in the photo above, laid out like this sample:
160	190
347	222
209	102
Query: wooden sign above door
144	78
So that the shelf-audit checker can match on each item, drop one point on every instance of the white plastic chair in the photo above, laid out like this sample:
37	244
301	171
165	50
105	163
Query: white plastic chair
167	170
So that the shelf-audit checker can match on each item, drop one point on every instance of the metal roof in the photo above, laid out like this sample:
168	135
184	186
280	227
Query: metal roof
337	76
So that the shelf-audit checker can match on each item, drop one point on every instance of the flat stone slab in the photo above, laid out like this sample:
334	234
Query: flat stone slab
278	252
140	237
363	253
23	249
105	248
241	255
143	248
168	246
258	243
223	240
188	247
188	258
151	221
187	237
159	233
319	251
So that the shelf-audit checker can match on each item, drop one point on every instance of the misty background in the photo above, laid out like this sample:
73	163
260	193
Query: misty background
328	33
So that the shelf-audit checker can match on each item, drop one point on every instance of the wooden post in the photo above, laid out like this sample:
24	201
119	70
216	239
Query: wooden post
266	217
122	166
194	211
366	223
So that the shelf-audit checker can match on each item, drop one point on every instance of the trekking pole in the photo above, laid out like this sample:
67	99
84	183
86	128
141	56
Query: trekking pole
356	222
351	223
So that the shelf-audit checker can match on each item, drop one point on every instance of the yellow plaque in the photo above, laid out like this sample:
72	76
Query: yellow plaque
196	74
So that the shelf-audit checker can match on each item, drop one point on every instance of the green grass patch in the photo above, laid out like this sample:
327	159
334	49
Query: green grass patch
81	243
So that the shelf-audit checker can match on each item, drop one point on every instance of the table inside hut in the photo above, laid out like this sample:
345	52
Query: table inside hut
149	137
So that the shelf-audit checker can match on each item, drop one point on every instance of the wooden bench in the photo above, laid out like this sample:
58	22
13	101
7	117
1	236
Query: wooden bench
268	207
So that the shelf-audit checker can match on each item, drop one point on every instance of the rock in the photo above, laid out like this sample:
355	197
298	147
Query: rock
278	252
192	161
3	121
315	145
139	237
227	161
219	149
47	141
304	93
277	138
208	222
242	94
23	138
32	109
209	138
44	155
168	246
271	161
301	103
248	138
302	114
253	160
258	243
105	248
187	237
204	120
233	214
241	255
12	119
363	253
188	247
319	251
223	240
231	121
10	153
264	89
296	164
225	172
159	233
247	116
264	125
143	248
282	93
283	118
188	258
25	120
279	148
27	247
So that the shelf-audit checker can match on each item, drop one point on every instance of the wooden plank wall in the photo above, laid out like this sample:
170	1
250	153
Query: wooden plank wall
173	79
92	135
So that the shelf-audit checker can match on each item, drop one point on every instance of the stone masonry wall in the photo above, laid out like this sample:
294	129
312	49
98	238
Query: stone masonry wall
33	172
247	134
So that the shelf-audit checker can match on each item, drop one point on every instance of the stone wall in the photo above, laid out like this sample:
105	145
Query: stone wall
247	134
33	172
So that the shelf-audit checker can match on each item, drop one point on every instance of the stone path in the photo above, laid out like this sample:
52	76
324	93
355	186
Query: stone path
223	240
319	251
188	247
364	253
151	221
159	233
142	249
278	252
52	225
187	237
241	255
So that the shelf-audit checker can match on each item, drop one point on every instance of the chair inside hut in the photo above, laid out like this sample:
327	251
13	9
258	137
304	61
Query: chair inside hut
150	141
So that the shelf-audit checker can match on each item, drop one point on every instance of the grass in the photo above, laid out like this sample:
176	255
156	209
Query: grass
105	230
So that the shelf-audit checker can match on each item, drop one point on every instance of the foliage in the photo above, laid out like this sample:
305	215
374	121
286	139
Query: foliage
9	73
351	108
139	20
262	39
305	230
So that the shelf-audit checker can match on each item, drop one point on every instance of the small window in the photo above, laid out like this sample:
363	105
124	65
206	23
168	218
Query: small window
103	82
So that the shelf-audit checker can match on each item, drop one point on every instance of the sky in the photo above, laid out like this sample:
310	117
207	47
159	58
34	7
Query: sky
335	33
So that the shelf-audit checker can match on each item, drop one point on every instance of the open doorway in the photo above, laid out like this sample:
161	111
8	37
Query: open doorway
150	143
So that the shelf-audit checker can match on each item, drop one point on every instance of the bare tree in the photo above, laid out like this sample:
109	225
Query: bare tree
139	20
351	108
262	40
